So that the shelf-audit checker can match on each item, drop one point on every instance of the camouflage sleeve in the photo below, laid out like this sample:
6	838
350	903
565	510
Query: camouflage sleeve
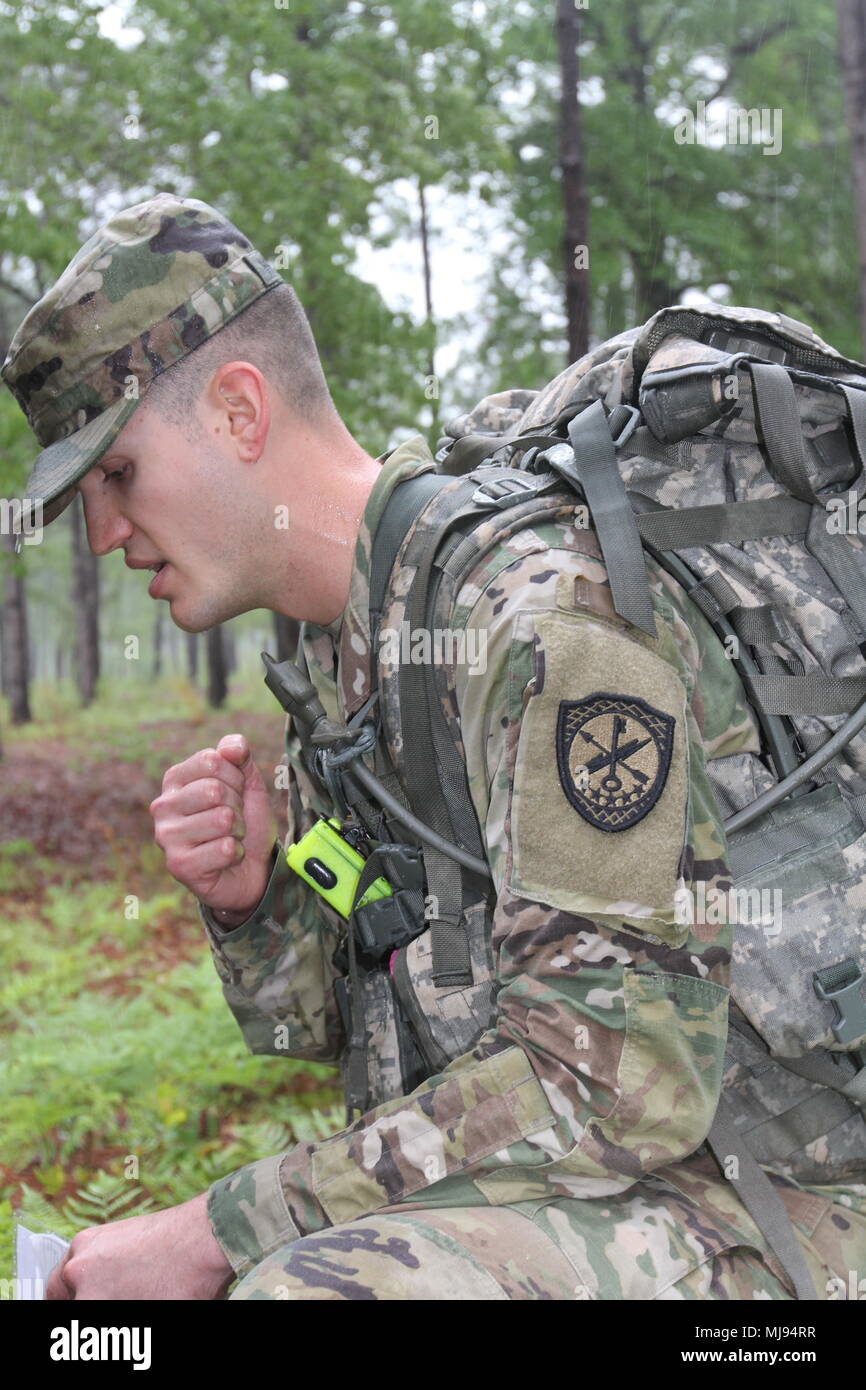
586	759
276	971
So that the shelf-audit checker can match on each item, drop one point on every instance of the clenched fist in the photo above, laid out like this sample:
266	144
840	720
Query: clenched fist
215	824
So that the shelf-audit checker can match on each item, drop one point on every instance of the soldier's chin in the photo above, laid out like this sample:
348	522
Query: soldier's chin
185	615
192	616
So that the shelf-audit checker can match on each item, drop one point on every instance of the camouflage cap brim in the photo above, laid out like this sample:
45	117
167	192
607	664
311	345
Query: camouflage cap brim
61	466
147	288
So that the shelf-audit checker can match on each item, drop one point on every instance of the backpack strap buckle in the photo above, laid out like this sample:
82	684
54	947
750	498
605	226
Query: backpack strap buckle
504	489
622	421
841	985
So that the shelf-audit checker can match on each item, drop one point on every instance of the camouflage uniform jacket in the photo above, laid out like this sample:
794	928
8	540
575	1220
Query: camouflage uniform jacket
600	1071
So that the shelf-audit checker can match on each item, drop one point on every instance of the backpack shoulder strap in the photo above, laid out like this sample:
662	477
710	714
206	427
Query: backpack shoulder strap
433	773
407	500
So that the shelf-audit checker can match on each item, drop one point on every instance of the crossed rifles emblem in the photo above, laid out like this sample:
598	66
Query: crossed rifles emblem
616	786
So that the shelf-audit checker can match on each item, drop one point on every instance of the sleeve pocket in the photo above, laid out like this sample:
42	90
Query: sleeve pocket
467	1113
670	1071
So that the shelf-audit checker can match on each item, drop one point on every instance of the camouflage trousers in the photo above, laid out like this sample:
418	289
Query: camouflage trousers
651	1242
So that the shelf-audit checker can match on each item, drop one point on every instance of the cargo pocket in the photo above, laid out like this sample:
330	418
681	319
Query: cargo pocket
670	1070
668	1079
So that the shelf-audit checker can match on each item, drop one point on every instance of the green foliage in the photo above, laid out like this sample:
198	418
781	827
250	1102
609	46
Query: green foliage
669	218
125	1085
107	1198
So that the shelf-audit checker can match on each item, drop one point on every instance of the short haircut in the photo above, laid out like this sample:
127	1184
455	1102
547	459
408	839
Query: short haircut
274	334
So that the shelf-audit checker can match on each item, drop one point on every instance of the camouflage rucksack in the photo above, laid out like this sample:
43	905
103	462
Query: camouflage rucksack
737	459
735	454
730	444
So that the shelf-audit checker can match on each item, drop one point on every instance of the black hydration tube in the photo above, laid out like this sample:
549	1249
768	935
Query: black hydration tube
793	773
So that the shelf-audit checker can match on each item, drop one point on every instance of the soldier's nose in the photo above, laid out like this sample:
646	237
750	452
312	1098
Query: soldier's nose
106	528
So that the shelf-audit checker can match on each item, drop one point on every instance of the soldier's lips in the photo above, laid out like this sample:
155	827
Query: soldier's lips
156	585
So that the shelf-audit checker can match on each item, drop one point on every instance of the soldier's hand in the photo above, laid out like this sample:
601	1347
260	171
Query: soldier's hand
171	1254
215	824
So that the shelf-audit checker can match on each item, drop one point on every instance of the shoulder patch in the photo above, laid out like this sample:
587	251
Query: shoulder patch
613	753
604	734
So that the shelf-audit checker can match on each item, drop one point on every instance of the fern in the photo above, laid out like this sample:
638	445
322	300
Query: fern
107	1197
37	1214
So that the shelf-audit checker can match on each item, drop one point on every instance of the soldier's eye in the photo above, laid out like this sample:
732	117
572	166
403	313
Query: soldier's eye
118	474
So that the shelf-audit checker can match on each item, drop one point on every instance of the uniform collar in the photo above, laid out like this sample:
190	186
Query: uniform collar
349	633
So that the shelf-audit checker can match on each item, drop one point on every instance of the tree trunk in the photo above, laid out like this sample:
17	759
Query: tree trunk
172	635
14	634
229	651
192	656
157	643
428	305
575	201
285	636
85	592
852	57
651	290
217	685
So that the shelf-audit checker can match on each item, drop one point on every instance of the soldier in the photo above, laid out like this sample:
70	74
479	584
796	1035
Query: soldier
539	1132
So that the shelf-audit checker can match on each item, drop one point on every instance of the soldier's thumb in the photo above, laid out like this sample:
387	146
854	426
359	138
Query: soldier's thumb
236	749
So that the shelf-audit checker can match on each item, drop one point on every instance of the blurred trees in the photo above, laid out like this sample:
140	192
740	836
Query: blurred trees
852	59
669	217
335	125
85	597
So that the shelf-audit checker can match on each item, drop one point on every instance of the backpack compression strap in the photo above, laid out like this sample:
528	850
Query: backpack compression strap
761	1200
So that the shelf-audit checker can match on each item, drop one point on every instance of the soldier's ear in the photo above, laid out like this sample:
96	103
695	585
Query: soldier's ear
236	398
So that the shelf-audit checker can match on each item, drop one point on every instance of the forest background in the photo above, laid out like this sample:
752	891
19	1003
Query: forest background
466	194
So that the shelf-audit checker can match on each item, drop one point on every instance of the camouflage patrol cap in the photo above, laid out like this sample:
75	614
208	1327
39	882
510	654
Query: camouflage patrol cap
146	289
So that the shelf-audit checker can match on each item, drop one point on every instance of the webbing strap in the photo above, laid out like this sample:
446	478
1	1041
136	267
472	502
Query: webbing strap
714	595
777	414
842	562
834	552
810	694
470	450
451	963
776	1138
843	1075
856	399
406	501
759	626
726	523
761	1200
793	828
596	470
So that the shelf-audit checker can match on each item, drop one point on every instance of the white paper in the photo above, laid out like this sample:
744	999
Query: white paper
36	1255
